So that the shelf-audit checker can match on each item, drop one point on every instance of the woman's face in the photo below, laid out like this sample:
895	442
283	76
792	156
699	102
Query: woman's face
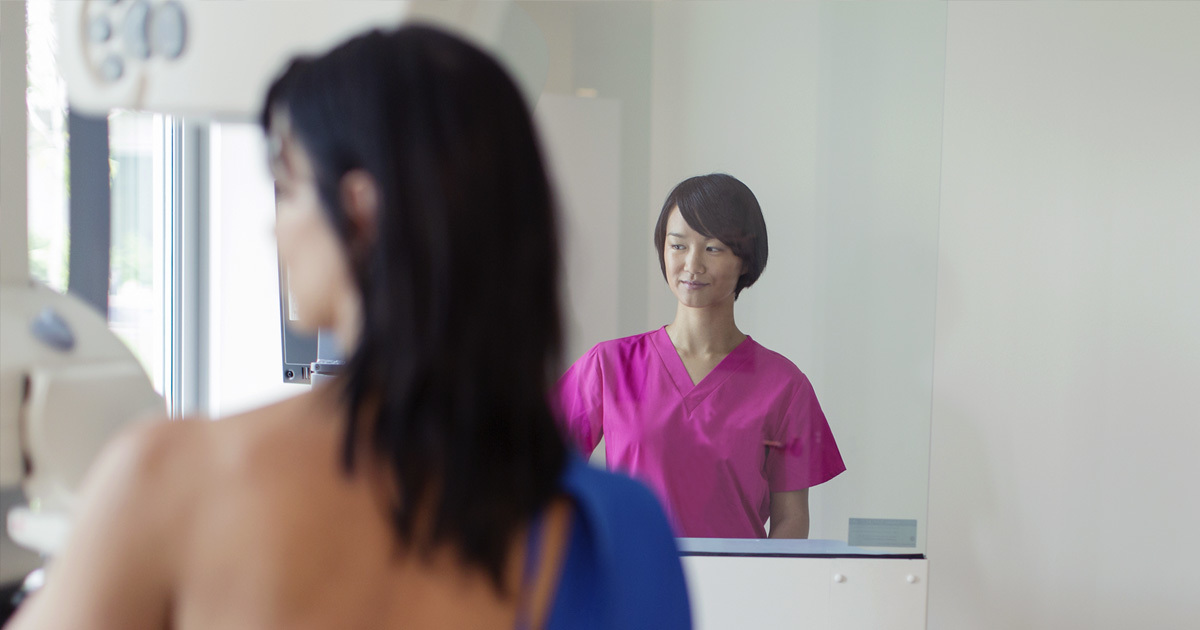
701	271
318	271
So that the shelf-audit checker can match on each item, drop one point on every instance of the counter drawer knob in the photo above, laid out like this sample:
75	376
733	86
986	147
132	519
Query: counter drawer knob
911	579
839	578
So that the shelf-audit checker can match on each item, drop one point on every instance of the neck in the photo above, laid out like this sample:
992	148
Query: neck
705	331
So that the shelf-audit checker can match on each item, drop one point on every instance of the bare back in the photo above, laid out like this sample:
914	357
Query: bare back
256	526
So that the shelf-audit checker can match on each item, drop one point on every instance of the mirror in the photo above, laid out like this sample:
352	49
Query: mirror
831	113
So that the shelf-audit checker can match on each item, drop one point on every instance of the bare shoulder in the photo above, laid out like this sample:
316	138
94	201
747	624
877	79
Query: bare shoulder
277	438
147	457
146	508
165	467
119	562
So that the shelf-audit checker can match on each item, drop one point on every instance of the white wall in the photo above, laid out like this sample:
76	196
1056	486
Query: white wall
831	114
581	140
1066	432
603	49
14	254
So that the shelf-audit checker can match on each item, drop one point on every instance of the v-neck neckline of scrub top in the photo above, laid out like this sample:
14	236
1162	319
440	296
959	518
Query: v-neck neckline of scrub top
695	393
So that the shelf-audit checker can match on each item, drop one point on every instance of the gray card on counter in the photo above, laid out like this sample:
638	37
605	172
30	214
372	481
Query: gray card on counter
882	532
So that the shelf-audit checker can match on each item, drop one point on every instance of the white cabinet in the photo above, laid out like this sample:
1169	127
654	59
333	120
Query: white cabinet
749	592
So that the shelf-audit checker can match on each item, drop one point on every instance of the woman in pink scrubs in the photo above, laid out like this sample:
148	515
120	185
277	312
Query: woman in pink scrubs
727	432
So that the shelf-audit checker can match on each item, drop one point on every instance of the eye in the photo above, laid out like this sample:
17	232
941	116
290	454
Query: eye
676	246
714	249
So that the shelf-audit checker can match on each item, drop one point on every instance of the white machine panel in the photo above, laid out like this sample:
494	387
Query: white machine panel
217	57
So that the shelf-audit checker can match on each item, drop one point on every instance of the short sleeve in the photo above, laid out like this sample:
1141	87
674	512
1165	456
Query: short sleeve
579	402
807	454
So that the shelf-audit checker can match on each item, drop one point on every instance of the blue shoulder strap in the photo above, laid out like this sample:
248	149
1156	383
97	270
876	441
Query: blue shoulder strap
623	569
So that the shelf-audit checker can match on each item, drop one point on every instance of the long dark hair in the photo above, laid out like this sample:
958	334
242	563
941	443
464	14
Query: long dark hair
460	338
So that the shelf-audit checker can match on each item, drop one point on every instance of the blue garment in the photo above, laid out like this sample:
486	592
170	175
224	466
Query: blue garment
622	569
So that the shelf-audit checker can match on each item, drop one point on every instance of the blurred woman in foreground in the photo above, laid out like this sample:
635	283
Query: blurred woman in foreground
426	487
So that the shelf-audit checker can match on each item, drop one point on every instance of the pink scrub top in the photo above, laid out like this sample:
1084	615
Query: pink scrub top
714	451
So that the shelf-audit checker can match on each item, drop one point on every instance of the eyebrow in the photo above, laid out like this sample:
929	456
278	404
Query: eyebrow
706	238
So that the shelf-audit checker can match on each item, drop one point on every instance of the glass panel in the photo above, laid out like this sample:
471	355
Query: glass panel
831	113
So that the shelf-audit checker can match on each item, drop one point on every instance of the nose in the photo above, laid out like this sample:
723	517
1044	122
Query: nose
693	262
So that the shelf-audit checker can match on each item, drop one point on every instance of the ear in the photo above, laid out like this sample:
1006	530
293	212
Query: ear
360	198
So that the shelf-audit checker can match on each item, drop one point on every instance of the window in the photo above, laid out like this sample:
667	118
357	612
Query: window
143	151
193	282
46	99
141	166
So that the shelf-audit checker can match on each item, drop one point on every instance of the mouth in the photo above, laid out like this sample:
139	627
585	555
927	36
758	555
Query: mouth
694	286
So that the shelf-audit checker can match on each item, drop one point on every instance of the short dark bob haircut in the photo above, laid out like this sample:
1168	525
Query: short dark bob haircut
719	206
449	384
